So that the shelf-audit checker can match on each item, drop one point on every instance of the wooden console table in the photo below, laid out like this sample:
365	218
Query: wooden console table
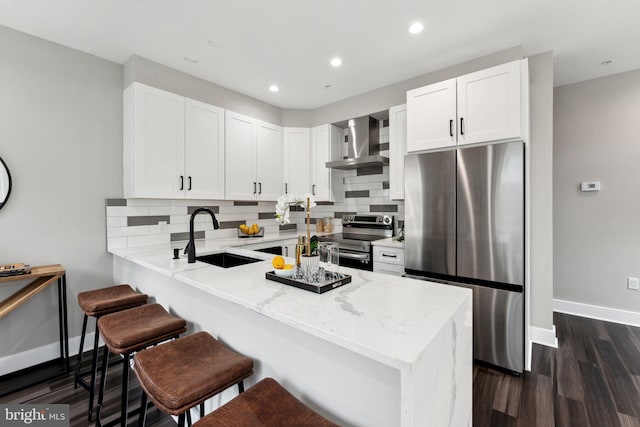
41	277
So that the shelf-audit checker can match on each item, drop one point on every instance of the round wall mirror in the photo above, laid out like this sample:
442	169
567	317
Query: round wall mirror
5	183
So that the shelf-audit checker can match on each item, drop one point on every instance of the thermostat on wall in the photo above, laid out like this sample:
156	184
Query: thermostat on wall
590	186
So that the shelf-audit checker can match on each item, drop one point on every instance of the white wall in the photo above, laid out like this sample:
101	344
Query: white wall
541	185
597	235
61	136
157	75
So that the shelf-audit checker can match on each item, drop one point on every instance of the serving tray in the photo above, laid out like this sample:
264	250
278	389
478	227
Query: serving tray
318	288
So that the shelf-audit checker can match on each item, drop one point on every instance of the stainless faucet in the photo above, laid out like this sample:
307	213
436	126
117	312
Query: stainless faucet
190	250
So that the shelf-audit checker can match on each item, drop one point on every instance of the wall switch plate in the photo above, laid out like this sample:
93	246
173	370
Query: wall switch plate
633	283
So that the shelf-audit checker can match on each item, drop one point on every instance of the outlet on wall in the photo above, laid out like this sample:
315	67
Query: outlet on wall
633	283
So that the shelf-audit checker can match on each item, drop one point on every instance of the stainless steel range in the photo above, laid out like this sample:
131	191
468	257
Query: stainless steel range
358	231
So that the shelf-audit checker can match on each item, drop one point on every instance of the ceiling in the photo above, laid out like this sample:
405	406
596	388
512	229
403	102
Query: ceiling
248	45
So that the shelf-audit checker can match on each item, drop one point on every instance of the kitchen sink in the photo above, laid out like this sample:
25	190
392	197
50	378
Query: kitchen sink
226	259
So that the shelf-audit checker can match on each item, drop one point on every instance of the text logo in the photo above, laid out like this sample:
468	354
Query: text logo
34	415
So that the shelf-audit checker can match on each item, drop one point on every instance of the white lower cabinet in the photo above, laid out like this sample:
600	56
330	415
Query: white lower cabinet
388	260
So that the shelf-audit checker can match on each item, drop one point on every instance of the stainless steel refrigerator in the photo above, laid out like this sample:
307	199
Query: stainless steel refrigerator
464	225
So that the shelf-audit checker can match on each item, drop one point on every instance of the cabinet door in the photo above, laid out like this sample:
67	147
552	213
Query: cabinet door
154	144
397	150
204	150
431	116
269	161
489	104
320	155
240	159
296	157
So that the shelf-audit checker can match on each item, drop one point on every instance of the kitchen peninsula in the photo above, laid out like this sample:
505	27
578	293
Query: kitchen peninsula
380	351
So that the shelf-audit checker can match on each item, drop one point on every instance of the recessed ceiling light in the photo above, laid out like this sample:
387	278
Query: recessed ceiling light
274	88
416	28
336	62
191	60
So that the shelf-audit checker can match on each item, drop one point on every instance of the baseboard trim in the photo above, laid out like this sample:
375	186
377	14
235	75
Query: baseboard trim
607	314
42	354
542	336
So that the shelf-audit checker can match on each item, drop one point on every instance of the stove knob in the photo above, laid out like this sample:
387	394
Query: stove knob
387	220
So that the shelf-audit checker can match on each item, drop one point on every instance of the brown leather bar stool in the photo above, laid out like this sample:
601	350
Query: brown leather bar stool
96	303
266	404
128	331
182	374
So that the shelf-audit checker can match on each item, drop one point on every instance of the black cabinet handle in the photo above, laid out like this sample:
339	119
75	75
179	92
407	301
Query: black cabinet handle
189	189
451	127
390	256
461	125
313	189
181	182
254	188
286	188
260	188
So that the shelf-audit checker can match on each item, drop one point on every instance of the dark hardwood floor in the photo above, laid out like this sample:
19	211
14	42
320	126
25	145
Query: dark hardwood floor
591	380
61	390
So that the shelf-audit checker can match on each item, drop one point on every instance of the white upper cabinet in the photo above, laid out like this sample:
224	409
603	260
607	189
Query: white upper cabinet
489	104
397	150
253	151
269	160
479	107
326	184
431	116
297	161
204	150
240	178
171	144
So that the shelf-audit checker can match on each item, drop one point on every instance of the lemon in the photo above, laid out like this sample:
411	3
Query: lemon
278	262
287	267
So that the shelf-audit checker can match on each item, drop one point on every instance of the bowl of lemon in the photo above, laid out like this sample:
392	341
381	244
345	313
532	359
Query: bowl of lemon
253	230
280	268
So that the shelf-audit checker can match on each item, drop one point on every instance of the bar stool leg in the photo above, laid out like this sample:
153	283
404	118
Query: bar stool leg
125	390
241	387
94	370
202	410
143	410
181	420
103	383
79	361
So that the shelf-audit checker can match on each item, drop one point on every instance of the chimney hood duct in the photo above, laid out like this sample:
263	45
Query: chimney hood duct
364	146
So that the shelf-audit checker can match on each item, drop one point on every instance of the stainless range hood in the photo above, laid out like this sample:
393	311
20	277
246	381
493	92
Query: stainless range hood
364	145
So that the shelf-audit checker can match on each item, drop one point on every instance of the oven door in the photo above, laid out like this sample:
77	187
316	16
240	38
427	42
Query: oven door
354	259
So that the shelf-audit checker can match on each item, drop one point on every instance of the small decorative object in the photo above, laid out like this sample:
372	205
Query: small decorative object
310	268
328	224
14	269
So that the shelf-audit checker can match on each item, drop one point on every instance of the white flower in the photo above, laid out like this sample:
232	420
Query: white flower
285	202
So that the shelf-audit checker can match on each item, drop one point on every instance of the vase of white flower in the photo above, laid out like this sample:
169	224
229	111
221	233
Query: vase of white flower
283	208
284	203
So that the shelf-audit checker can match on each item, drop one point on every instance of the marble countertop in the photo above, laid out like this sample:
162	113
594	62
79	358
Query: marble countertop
389	242
389	319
